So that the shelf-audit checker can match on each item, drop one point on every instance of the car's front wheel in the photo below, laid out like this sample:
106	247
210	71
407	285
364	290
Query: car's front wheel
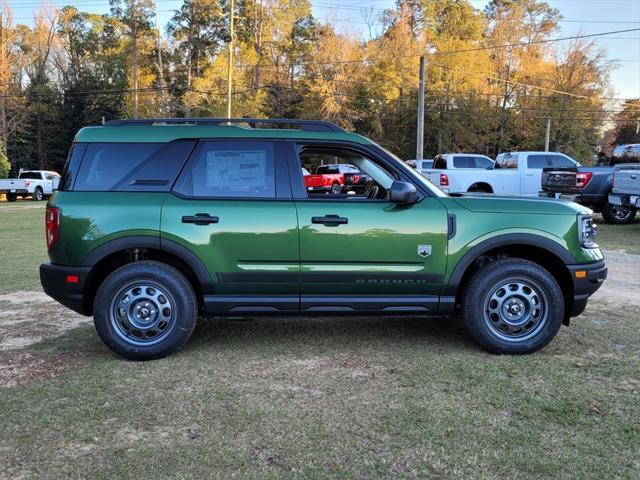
512	306
145	310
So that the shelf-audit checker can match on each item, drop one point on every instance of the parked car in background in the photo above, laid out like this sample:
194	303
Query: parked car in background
443	164
592	186
626	186
37	184
334	178
422	164
515	173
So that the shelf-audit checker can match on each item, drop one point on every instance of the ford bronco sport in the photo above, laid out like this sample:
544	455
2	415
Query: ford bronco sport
158	220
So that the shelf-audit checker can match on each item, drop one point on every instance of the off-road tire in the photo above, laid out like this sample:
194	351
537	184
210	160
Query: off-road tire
535	282
156	277
38	195
611	214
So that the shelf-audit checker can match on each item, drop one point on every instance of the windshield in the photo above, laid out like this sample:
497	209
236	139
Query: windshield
412	173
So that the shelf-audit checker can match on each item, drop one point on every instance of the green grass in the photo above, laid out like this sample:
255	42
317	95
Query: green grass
619	237
22	245
330	398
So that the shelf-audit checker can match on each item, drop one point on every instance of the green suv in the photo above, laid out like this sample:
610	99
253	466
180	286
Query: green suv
156	221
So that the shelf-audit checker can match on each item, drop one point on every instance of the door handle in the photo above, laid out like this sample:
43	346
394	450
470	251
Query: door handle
200	219
330	220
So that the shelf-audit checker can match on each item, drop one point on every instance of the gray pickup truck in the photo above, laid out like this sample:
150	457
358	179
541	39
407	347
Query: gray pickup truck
592	186
626	185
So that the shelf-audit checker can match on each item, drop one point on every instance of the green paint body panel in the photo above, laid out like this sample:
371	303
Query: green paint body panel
91	219
252	236
271	247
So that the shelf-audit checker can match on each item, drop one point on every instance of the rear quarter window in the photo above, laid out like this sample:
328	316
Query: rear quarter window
131	167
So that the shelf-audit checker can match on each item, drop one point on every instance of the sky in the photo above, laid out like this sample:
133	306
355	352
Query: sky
580	17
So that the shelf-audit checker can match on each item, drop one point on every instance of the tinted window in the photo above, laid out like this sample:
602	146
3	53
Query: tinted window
31	175
230	169
132	167
559	161
482	162
463	162
71	166
106	164
327	169
536	161
439	164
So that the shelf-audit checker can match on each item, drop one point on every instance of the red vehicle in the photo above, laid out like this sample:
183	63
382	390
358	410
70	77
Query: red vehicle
332	178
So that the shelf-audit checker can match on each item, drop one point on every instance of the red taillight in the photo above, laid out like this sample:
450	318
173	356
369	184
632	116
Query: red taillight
444	180
582	179
51	226
73	278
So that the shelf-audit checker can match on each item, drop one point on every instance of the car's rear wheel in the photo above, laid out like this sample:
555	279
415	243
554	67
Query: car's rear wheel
145	310
512	306
11	197
618	215
336	189
38	195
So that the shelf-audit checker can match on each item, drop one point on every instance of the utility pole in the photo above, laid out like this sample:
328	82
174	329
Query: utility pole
420	134
547	134
230	66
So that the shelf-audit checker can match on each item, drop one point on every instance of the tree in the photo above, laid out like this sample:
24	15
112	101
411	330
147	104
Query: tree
5	166
135	15
627	124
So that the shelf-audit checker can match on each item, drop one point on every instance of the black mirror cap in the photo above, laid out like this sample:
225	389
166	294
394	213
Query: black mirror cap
403	193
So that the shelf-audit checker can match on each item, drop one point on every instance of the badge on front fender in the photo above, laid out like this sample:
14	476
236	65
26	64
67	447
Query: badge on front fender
424	250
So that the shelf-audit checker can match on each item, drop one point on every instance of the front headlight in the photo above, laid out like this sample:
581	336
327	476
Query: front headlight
587	231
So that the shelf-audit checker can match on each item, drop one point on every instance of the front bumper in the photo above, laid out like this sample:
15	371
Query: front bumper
623	200
586	284
55	280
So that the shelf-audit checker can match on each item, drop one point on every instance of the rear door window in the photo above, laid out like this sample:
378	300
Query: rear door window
132	167
463	162
230	170
481	162
537	161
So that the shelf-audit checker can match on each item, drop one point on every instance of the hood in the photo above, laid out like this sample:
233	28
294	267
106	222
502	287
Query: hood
513	204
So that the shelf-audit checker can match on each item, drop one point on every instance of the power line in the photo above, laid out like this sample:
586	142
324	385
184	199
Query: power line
451	52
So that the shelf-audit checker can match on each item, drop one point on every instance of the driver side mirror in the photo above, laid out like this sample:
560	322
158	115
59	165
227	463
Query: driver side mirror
403	193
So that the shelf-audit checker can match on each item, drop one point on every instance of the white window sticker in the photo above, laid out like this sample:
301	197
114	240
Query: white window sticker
237	170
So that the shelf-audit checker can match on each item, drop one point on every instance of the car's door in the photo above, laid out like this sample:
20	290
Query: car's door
231	206
532	175
361	252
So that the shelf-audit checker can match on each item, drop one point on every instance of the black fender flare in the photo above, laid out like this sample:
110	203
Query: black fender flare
156	243
504	240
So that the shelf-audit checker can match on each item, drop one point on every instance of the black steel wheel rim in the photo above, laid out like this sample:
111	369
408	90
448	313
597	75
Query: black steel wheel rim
516	309
143	313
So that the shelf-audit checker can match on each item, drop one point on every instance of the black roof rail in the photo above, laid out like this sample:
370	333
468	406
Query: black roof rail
305	125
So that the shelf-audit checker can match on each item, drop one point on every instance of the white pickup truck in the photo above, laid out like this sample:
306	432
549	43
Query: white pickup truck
446	163
38	184
514	173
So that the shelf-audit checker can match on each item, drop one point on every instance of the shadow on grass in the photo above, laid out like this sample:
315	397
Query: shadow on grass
299	334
